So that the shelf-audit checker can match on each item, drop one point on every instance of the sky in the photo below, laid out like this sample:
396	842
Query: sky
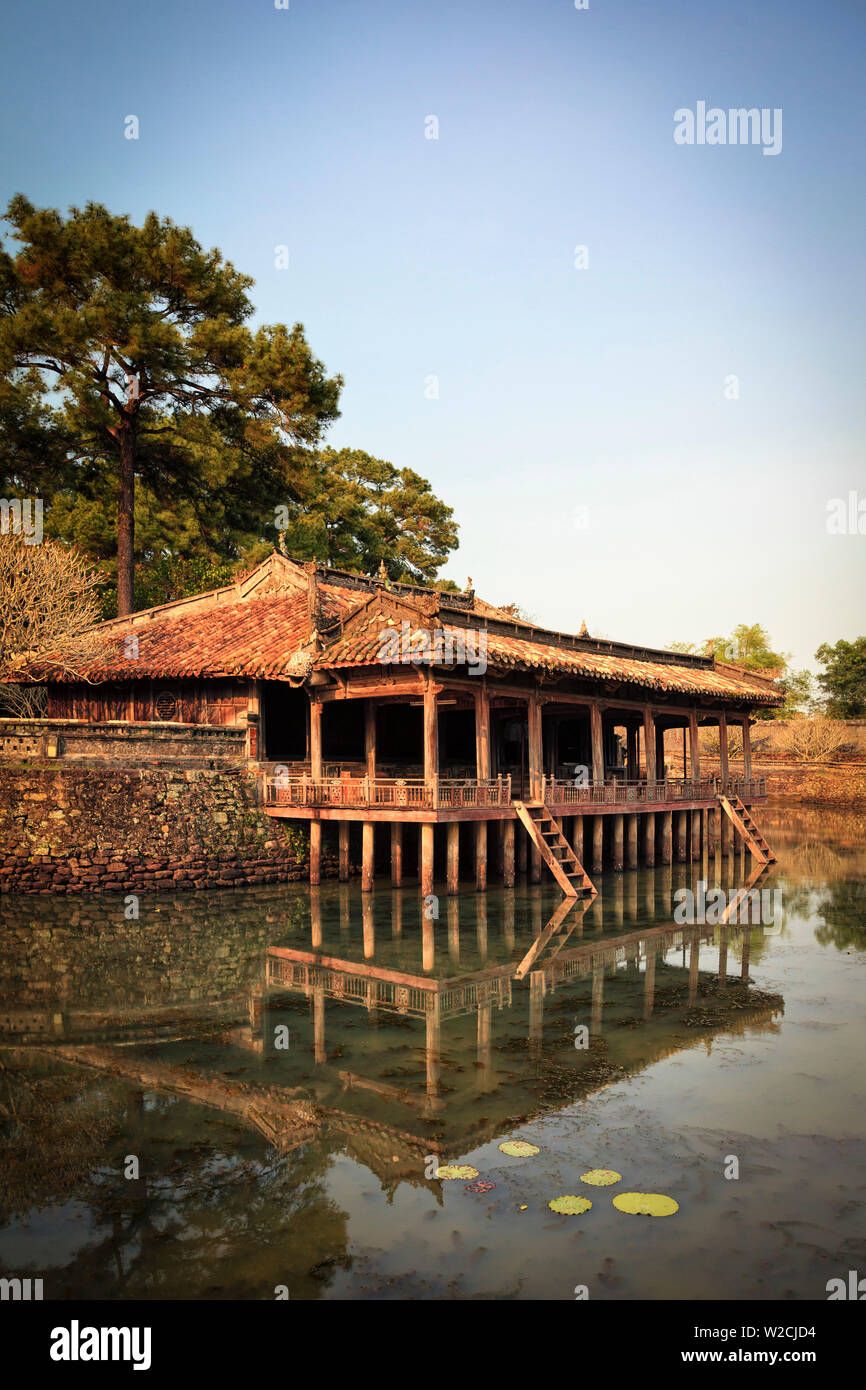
645	434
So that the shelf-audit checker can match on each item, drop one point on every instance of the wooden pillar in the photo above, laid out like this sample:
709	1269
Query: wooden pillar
431	736
480	855
667	836
396	854
631	856
598	843
315	740
507	828
534	864
315	852
747	748
616	849
597	742
682	836
367	847
316	921
535	748
649	839
482	732
452	854
370	738
696	834
649	738
723	749
711	832
522	850
694	746
577	837
368	929
343	833
426	859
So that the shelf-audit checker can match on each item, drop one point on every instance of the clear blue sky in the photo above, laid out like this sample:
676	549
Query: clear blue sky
559	389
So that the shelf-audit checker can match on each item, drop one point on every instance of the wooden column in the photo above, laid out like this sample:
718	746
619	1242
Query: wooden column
426	859
315	852
616	849
696	834
649	738
480	855
667	836
682	836
315	739
598	843
343	833
711	832
694	745
660	753
747	748
597	742
431	735
534	864
396	854
535	753
367	848
649	839
723	749
453	857
482	732
507	853
577	842
522	850
631	857
370	738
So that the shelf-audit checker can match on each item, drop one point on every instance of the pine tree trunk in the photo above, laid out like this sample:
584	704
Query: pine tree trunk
126	521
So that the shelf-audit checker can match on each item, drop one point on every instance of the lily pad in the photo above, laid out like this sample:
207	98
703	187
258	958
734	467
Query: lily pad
645	1204
449	1171
570	1205
601	1177
519	1148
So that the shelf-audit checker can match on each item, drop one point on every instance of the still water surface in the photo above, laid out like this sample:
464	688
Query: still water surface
289	1069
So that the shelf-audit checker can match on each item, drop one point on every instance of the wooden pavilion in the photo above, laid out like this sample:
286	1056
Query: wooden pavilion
393	706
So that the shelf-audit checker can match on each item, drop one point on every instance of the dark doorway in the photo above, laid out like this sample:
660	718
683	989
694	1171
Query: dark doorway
285	709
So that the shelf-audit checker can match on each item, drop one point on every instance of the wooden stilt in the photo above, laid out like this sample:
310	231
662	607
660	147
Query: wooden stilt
616	847
522	850
481	855
426	859
597	844
315	852
667	836
368	928
649	839
631	857
696	834
507	829
367	847
396	854
343	833
682	836
452	870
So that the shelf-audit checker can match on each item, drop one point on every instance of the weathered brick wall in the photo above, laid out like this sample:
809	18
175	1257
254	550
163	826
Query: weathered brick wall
818	786
70	828
114	740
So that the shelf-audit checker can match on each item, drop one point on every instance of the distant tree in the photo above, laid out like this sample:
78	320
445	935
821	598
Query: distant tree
843	680
141	339
48	605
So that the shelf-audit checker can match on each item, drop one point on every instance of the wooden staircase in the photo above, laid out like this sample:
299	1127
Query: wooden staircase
546	834
747	829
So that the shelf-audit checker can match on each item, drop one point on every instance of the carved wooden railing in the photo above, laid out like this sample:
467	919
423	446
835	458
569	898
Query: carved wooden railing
555	792
398	793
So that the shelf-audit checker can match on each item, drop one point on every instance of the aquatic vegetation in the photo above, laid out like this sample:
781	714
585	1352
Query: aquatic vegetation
519	1148
570	1205
449	1172
601	1177
645	1204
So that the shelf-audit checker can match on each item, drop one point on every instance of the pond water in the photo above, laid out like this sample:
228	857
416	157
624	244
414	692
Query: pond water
251	1091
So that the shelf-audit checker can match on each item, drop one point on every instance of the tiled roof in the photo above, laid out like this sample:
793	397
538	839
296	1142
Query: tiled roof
520	654
259	628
